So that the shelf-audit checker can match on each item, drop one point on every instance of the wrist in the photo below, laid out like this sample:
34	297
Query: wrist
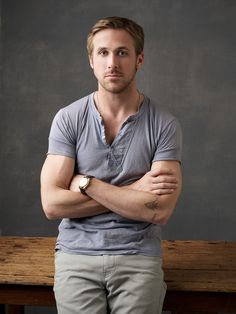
84	183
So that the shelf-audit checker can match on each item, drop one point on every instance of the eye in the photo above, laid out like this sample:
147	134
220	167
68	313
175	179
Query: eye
122	53
103	52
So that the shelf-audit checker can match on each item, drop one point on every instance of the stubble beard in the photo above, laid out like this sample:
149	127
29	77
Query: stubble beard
120	86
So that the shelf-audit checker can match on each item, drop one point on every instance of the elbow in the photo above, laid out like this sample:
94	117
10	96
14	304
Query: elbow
161	217
50	215
50	211
162	220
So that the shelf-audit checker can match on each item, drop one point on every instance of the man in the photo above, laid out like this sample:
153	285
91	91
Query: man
113	175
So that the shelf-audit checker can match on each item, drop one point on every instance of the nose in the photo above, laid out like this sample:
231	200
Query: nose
112	61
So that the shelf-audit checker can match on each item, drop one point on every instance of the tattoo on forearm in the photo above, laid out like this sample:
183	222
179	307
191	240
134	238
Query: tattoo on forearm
152	205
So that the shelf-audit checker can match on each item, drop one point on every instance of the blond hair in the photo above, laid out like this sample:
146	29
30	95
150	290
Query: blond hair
116	22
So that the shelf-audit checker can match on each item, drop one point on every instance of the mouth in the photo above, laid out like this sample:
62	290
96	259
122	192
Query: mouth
113	74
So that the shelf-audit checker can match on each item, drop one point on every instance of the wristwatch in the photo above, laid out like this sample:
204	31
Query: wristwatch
84	183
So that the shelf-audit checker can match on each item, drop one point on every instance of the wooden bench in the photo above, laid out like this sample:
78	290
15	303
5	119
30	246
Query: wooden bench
201	275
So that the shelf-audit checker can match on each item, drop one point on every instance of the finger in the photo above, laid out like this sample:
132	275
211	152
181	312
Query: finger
166	186
163	185
165	179
158	172
163	191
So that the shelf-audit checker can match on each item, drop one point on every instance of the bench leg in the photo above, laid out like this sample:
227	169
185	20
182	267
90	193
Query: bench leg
15	309
2	309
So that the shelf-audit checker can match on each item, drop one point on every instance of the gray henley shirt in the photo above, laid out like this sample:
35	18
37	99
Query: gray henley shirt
77	131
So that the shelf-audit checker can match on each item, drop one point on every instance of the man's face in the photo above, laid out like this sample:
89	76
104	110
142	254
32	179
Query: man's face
114	60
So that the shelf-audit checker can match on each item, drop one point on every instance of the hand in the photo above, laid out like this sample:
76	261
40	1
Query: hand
156	181
74	185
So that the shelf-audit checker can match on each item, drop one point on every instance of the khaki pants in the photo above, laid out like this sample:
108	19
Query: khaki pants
115	284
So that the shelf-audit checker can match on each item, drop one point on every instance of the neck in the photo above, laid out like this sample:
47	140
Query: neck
115	104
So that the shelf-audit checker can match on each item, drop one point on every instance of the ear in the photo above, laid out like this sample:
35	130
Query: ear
91	61
140	60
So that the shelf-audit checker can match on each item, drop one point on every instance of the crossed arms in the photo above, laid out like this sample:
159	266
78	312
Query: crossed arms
152	198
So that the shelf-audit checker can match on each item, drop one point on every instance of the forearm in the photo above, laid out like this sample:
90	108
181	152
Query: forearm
129	203
57	199
151	198
61	203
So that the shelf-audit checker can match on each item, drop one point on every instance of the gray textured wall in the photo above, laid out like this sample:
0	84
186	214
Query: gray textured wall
190	68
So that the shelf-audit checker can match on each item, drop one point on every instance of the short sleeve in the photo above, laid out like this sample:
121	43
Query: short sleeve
169	146
62	136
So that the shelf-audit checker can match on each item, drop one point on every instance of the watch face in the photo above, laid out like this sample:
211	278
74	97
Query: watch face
83	182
